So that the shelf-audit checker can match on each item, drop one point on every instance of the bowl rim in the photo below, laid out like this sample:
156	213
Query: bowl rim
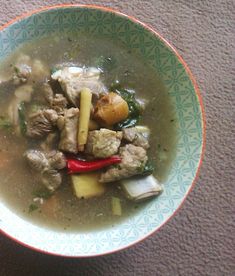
196	89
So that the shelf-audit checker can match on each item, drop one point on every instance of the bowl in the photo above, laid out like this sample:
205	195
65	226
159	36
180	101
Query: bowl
180	87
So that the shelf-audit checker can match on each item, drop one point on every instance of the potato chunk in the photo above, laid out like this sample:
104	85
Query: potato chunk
111	109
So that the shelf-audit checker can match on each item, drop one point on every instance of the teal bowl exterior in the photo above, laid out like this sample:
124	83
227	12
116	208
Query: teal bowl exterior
184	94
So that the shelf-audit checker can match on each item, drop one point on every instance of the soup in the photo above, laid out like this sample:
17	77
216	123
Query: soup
48	179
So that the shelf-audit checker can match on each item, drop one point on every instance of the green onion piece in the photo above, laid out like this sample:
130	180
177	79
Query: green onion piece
43	193
134	106
16	69
32	207
22	121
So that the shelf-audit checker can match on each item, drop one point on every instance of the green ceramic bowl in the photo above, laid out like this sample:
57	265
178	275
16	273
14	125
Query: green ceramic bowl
184	95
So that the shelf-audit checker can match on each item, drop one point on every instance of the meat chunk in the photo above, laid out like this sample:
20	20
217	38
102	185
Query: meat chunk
22	73
41	161
41	123
47	166
57	102
103	143
56	160
22	69
48	92
26	68
51	142
73	79
133	136
37	160
133	161
22	93
68	126
52	179
40	70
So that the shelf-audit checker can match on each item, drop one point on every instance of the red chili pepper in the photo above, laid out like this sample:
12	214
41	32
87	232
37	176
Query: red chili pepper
76	166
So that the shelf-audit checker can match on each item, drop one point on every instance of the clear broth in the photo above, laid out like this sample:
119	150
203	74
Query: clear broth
17	183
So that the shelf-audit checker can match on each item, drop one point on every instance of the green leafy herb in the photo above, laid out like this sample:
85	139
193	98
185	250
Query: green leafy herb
5	123
16	69
22	120
133	104
32	207
148	168
129	122
43	193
